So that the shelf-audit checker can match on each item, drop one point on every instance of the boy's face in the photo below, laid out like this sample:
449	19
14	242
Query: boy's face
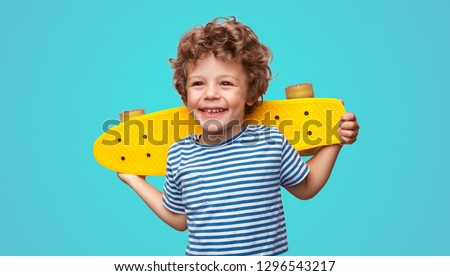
217	94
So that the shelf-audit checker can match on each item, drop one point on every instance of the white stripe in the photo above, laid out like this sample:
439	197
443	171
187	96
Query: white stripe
230	252
239	205
269	233
269	213
238	176
218	227
206	165
200	157
233	182
242	244
241	212
271	188
227	189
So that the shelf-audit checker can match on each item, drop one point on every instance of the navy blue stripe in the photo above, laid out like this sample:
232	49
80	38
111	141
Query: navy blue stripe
251	183
233	163
228	204
238	235
234	197
264	252
193	150
300	178
234	177
295	175
266	237
235	209
265	191
169	206
249	214
213	201
297	178
211	224
270	136
273	251
289	166
238	248
237	170
171	197
221	157
249	227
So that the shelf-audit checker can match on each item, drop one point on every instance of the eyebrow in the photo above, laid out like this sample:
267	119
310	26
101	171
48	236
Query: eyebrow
220	76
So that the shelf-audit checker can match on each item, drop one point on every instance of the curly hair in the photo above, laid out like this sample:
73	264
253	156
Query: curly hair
229	40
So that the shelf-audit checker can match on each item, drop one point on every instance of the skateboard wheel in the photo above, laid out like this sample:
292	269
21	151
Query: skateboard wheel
130	114
298	91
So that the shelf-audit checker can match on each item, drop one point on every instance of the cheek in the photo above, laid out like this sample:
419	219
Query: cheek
236	97
190	100
241	100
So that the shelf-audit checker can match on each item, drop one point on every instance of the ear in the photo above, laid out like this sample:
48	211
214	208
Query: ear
251	101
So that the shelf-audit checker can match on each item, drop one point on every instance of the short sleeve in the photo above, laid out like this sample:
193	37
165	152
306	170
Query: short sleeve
293	169
172	193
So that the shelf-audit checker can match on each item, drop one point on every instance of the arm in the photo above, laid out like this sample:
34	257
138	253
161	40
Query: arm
320	167
153	198
322	163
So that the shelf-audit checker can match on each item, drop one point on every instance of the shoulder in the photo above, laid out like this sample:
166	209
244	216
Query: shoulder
264	130
263	134
186	141
180	146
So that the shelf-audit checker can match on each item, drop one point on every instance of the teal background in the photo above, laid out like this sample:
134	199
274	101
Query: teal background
68	66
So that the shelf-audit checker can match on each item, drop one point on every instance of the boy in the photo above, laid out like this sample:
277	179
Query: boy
224	185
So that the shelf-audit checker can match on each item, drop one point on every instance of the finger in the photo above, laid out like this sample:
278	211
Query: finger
342	101
348	138
348	134
349	116
348	141
349	125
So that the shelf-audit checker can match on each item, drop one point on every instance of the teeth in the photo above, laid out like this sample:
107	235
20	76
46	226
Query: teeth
212	110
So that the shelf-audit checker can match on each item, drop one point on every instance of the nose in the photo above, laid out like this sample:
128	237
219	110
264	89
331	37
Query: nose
211	92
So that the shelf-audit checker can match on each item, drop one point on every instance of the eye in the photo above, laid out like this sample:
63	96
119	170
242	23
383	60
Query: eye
197	83
227	83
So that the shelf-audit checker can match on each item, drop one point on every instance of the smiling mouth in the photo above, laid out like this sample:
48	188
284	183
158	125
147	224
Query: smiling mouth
212	111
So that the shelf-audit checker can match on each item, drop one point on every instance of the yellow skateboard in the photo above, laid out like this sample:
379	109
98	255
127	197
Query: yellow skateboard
140	143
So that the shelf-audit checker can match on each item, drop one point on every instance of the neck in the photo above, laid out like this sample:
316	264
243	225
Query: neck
212	138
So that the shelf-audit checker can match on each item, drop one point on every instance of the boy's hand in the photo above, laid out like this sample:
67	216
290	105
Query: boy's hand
130	178
349	127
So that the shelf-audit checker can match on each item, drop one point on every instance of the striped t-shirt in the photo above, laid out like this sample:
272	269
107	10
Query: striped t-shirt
230	192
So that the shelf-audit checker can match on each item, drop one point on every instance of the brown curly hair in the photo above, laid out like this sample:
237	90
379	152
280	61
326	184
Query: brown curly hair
229	40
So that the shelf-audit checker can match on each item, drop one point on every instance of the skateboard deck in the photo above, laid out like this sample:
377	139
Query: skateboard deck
140	145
